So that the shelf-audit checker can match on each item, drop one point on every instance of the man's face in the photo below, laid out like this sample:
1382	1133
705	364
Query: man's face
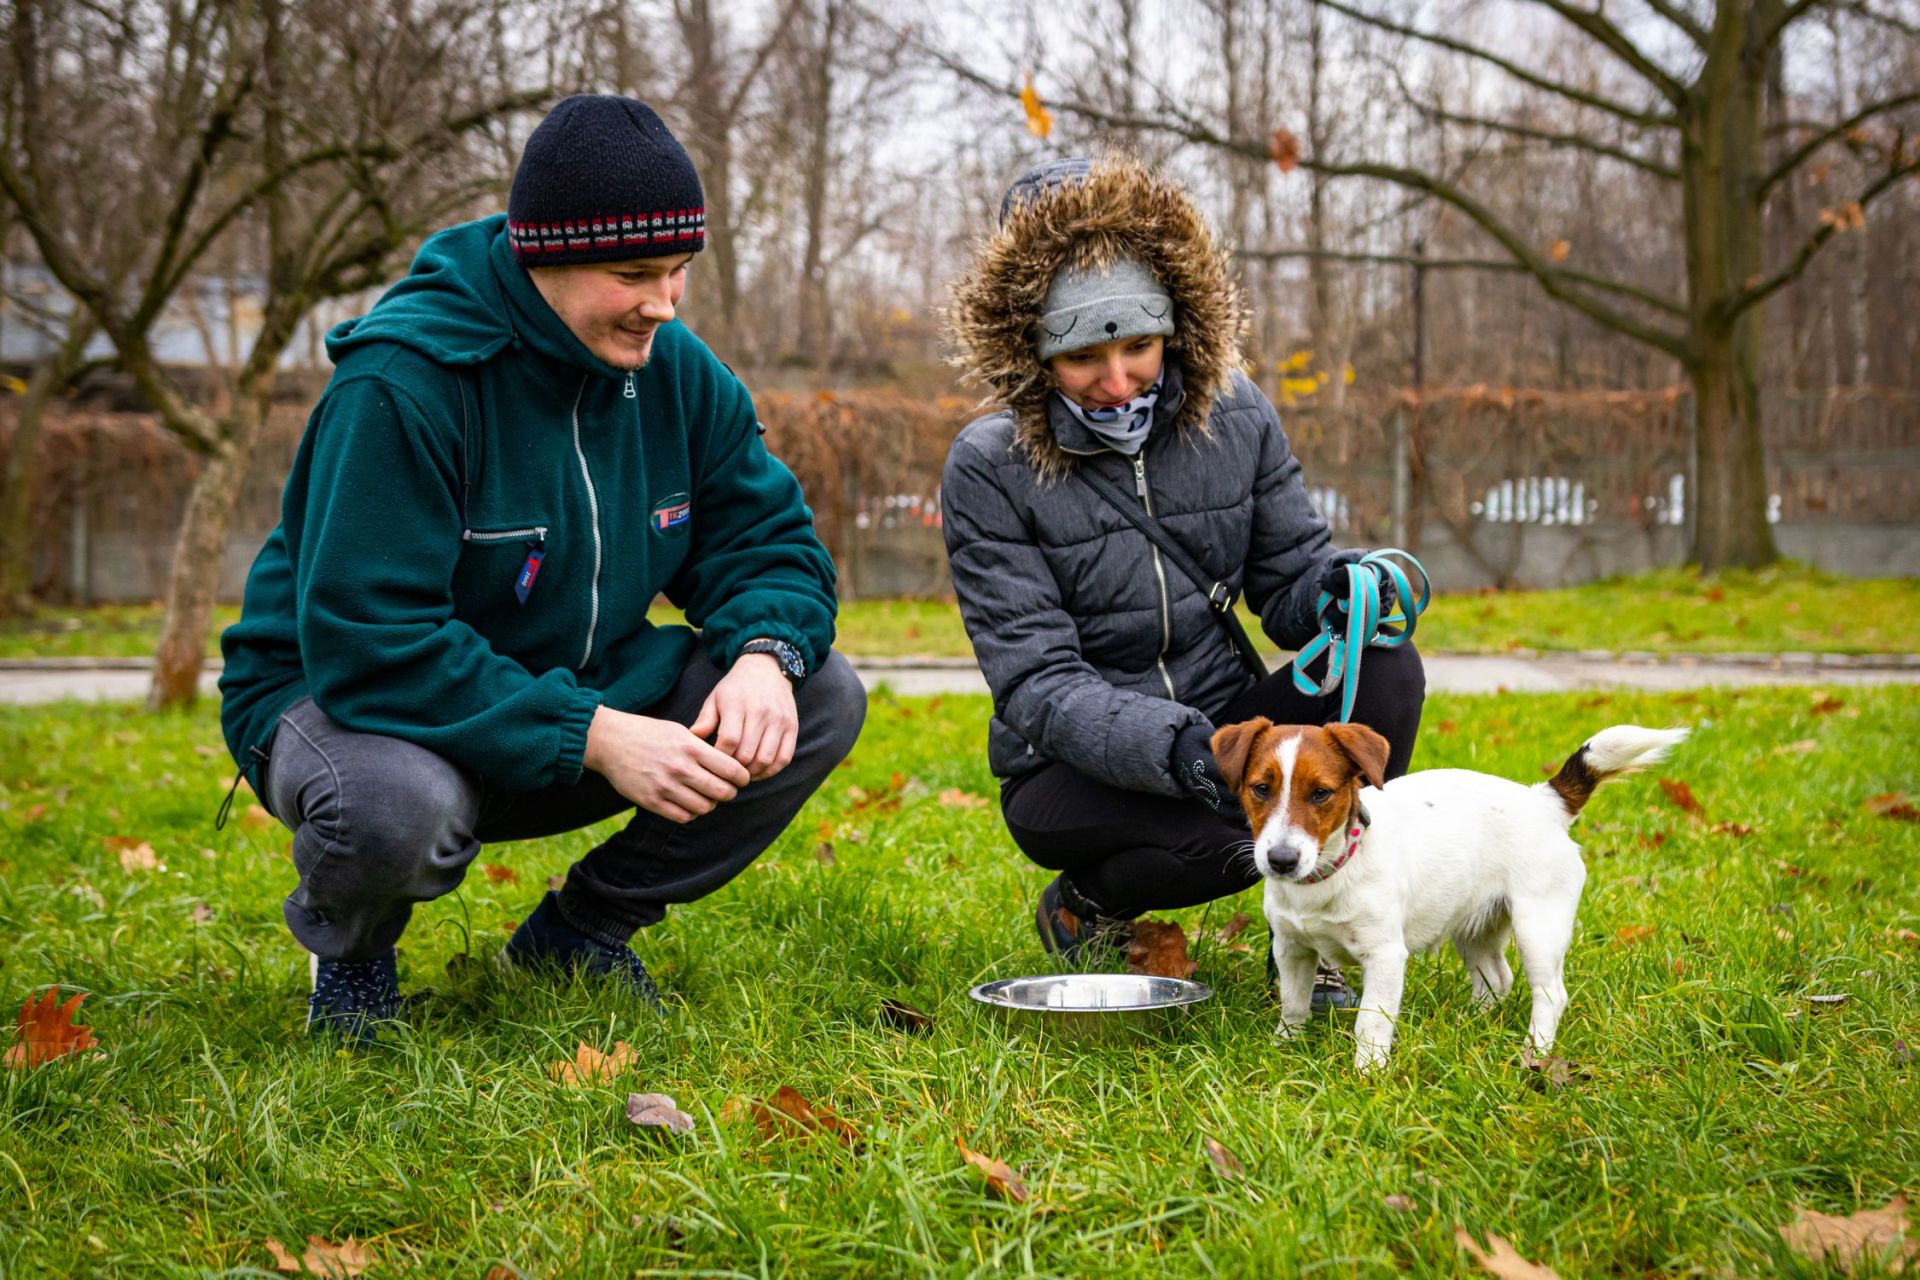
614	307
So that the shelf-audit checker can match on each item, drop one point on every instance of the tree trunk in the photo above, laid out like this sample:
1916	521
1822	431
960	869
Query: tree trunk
193	580
815	344
21	483
1724	156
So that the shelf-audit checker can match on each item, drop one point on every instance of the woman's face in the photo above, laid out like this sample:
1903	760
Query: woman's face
1109	374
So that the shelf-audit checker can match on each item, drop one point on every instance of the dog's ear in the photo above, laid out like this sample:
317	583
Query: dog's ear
1233	744
1367	750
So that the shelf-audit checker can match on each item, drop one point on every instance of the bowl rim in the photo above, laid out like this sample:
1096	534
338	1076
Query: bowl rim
1189	993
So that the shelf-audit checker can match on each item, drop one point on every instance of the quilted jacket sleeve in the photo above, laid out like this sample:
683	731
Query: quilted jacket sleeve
1291	547
1029	648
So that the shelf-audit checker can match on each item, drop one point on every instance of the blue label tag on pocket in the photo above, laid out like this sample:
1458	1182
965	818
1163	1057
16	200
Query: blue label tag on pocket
523	584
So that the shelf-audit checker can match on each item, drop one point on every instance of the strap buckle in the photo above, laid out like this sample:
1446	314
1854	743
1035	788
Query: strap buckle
1220	597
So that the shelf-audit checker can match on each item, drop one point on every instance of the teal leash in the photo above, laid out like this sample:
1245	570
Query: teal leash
1349	626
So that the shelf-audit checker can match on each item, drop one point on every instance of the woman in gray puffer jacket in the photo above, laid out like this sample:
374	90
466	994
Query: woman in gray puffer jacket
1101	315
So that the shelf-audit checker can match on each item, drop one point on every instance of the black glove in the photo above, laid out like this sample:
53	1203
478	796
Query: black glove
1334	583
1197	773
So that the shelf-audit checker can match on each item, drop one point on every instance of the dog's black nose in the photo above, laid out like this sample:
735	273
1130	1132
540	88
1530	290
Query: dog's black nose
1282	866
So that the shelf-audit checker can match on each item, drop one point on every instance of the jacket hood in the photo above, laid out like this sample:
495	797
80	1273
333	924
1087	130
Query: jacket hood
1119	209
464	300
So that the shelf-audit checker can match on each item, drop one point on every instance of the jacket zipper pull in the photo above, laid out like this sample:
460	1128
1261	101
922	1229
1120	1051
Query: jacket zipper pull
255	756
1140	477
630	392
523	581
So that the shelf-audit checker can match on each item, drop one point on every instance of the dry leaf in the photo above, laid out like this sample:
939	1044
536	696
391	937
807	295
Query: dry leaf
557	882
33	813
1234	927
1283	148
1870	1234
955	798
823	853
1499	1258
1398	1203
1827	705
1844	217
904	1017
1000	1176
1631	934
321	1258
255	818
1731	829
1159	949
1039	119
812	1117
1446	726
1559	250
1224	1160
1681	794
500	875
1893	804
46	1031
590	1066
657	1111
1557	1072
135	854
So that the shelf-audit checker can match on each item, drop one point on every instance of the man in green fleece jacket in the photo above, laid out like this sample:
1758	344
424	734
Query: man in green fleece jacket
445	642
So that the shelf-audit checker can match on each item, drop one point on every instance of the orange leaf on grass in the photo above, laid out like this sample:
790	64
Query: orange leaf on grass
955	798
1631	934
1681	794
1870	1235
1224	1160
1001	1178
135	854
1234	927
500	875
1893	804
255	818
1502	1259
46	1031
322	1258
590	1066
791	1114
1159	950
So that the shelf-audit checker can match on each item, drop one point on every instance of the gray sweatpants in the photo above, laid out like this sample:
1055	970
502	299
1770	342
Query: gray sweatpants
380	824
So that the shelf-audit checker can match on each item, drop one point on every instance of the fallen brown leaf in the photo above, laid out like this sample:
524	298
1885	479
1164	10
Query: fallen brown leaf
1160	949
322	1258
255	818
1501	1259
902	1016
823	853
1398	1203
955	798
1446	726
812	1117
1632	934
135	854
1731	829
590	1066
1893	804
1827	706
1224	1160
1557	1072
499	875
1234	927
1681	794
1869	1234
658	1111
45	1031
33	813
1001	1178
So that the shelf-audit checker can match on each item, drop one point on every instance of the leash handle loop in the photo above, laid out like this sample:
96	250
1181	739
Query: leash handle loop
1349	625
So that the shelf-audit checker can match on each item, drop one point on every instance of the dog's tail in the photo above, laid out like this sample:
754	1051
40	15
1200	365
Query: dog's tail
1606	756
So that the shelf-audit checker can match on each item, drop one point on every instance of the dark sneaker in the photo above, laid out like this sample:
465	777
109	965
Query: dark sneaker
351	998
1065	931
1330	989
545	939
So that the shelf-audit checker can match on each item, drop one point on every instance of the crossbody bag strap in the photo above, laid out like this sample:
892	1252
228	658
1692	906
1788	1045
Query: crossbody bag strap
1220	597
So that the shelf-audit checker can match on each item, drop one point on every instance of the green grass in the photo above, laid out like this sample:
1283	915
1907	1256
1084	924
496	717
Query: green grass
1668	611
1718	1097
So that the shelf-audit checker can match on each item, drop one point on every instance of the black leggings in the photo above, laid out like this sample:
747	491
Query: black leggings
1132	852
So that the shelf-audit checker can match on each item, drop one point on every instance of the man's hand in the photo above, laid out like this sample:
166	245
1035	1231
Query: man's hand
661	766
751	717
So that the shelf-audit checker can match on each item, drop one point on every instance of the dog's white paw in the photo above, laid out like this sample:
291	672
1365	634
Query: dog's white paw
1369	1057
1285	1030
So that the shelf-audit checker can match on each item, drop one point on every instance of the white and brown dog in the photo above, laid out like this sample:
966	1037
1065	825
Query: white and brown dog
1365	871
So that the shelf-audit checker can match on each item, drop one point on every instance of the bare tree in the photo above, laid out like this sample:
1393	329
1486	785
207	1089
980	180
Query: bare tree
324	140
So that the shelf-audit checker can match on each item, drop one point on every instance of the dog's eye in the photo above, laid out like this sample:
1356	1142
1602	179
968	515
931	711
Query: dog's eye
1320	796
1262	792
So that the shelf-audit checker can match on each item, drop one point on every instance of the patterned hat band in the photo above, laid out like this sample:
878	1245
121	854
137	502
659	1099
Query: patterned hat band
647	234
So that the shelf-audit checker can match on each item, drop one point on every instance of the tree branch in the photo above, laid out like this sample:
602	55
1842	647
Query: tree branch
1602	283
1682	19
1596	24
1788	16
1648	119
1805	150
1761	290
1434	111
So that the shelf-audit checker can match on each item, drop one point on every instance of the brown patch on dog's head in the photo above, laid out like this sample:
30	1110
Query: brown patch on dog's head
1306	777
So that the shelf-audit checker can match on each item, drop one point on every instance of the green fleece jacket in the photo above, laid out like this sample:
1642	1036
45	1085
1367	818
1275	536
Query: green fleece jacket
480	513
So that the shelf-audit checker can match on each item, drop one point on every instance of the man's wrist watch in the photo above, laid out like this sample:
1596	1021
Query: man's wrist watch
792	665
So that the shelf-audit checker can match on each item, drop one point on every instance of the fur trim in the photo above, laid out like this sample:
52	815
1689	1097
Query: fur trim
1122	207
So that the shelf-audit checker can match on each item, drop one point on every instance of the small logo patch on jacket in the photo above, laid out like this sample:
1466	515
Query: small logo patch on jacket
673	512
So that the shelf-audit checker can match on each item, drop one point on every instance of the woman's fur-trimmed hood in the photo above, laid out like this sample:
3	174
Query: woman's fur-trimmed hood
1121	208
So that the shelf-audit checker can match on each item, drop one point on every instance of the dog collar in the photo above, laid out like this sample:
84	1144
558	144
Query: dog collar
1362	820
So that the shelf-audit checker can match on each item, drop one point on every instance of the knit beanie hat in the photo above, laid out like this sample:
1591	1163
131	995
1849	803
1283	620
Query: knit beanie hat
601	180
1084	307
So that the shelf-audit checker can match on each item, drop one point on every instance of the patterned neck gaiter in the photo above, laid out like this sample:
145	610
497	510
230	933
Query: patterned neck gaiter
1124	427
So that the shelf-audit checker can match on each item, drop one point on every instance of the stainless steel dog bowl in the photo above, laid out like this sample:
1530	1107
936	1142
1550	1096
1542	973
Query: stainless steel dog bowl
1092	1005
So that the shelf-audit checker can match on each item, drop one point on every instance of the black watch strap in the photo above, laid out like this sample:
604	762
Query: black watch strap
792	665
